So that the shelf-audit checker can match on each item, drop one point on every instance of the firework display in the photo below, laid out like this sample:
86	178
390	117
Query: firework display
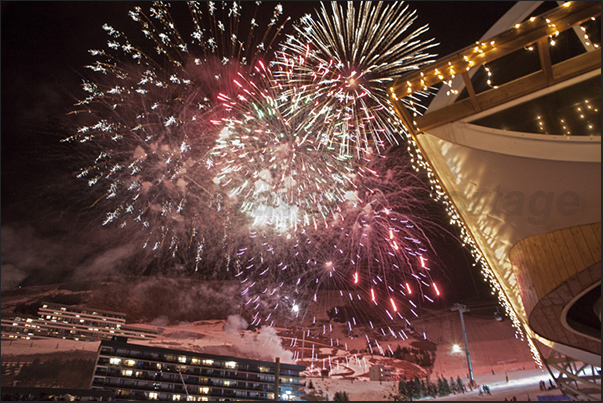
268	162
148	123
342	63
271	164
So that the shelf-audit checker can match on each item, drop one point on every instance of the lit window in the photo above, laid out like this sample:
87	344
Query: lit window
153	395
230	364
182	358
227	383
176	397
195	361
126	372
208	362
130	362
115	361
204	390
264	369
203	399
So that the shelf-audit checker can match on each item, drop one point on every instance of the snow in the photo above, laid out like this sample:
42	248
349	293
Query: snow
495	353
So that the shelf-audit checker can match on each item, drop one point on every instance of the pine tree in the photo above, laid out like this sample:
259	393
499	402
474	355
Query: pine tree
341	397
402	389
424	388
447	390
417	390
460	384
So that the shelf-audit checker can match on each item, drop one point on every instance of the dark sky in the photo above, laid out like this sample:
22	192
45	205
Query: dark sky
44	48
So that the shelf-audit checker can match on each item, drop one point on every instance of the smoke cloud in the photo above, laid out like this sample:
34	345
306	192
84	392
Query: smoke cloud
264	345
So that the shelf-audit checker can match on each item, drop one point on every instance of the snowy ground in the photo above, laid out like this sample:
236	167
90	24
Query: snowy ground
524	385
496	353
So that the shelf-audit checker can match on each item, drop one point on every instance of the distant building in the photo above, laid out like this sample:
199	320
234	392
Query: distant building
74	323
54	394
137	372
380	373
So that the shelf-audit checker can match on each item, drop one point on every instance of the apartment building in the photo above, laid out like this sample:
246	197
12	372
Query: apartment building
75	323
137	372
380	373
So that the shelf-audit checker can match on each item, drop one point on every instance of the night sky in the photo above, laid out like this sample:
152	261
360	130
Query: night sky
48	232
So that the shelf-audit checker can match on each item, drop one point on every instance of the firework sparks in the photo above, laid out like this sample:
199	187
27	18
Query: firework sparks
147	124
278	171
271	164
359	270
343	62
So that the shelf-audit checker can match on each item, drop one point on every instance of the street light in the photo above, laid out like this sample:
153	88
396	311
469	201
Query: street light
456	348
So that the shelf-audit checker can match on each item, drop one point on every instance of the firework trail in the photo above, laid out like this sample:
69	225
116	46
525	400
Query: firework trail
270	163
147	125
272	173
343	62
368	273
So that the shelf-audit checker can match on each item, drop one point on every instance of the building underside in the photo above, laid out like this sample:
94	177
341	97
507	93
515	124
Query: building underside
512	145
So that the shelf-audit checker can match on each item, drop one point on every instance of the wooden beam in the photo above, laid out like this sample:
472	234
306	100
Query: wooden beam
529	32
470	91
510	91
545	60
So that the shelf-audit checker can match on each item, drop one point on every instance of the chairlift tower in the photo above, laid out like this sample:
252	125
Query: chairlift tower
461	309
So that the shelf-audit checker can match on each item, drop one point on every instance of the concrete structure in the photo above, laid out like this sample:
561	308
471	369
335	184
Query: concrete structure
73	322
512	146
137	372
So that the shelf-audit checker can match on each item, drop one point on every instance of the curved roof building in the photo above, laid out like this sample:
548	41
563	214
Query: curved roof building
511	141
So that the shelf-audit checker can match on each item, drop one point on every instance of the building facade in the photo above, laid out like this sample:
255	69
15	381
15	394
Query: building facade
380	373
74	323
511	144
137	372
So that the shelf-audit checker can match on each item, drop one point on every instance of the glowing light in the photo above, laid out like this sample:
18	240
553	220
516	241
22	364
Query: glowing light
394	307
237	165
